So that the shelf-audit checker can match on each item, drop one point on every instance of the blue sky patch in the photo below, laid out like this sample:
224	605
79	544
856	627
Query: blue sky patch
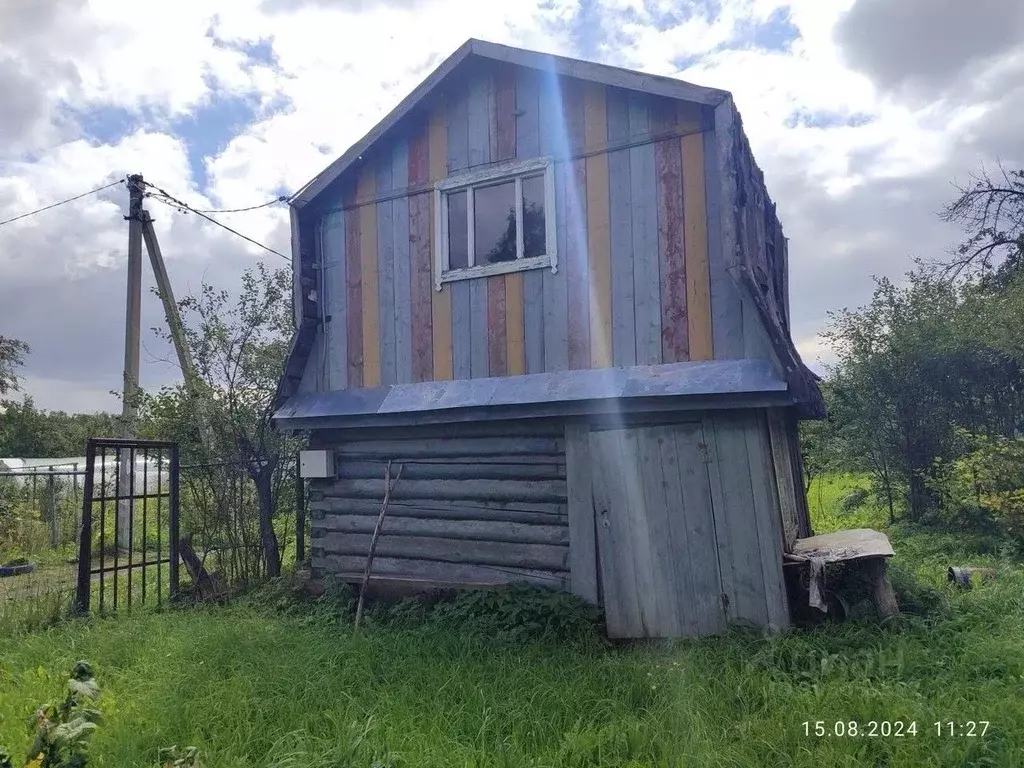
776	33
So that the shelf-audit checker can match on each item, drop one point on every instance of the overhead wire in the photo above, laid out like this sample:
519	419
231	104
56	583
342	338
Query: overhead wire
62	202
275	201
161	195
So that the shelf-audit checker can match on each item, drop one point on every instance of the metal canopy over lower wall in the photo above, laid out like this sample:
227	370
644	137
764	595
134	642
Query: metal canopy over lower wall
708	384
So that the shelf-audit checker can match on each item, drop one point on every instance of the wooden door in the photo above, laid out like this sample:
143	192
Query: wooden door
656	535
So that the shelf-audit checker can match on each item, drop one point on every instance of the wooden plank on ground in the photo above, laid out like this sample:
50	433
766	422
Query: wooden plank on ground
580	499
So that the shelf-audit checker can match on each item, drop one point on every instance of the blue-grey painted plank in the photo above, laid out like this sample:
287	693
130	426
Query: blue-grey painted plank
726	307
639	114
458	159
527	115
479	109
556	292
386	271
458	130
646	262
620	227
480	144
527	146
533	320
478	365
402	265
333	295
579	492
461	322
767	519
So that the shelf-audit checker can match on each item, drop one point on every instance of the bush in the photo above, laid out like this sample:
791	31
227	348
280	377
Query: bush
983	490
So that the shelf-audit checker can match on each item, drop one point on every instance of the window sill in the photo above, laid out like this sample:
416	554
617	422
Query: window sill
498	268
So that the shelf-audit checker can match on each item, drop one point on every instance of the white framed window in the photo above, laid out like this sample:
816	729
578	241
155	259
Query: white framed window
495	221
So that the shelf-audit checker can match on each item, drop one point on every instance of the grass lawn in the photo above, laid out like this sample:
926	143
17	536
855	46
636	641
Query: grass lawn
252	686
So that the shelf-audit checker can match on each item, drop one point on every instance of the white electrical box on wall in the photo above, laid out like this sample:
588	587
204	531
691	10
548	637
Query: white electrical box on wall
315	464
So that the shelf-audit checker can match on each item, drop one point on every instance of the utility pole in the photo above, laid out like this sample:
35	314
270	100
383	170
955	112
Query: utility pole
133	319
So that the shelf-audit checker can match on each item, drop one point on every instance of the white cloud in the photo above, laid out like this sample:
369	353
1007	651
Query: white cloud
855	199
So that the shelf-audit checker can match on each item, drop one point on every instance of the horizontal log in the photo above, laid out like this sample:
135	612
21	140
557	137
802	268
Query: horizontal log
355	469
454	490
460	530
494	553
326	438
397	450
350	568
544	459
502	511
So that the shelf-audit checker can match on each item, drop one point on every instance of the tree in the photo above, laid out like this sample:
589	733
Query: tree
991	209
12	356
238	348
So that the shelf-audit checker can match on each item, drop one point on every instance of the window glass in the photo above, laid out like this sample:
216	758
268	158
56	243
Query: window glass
534	229
458	235
494	223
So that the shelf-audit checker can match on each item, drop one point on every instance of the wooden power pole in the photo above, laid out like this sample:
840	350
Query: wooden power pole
133	319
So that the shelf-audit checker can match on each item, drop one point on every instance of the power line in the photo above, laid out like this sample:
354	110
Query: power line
62	202
166	198
275	201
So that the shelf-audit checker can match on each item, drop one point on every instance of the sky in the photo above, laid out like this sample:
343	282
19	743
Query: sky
862	114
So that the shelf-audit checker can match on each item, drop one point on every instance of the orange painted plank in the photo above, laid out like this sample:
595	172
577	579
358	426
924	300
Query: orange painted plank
515	331
497	331
668	161
354	294
421	284
598	233
695	237
441	301
368	251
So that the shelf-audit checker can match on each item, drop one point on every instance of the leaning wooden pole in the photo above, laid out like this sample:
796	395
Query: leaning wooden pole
176	327
388	487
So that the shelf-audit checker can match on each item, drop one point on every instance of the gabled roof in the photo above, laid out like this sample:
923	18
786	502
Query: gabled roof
655	85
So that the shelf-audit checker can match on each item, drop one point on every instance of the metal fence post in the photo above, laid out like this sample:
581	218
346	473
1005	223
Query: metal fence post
85	537
173	504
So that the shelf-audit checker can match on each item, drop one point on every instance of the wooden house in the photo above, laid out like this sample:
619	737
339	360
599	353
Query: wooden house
555	293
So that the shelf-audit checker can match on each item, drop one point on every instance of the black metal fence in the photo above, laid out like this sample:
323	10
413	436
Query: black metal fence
43	521
130	524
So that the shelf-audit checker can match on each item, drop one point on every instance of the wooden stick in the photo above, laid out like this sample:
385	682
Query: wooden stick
388	487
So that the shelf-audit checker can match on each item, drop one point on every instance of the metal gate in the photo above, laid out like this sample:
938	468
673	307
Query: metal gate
128	547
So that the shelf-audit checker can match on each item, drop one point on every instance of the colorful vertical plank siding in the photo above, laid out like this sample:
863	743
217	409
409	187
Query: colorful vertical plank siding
632	284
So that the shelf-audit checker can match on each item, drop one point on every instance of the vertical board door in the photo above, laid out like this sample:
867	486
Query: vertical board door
655	528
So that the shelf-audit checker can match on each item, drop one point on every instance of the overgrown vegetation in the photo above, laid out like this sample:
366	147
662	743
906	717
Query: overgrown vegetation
927	394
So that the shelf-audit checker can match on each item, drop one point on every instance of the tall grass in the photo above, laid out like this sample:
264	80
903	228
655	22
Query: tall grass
259	686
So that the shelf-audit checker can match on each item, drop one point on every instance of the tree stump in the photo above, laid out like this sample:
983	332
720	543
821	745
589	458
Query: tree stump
882	594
